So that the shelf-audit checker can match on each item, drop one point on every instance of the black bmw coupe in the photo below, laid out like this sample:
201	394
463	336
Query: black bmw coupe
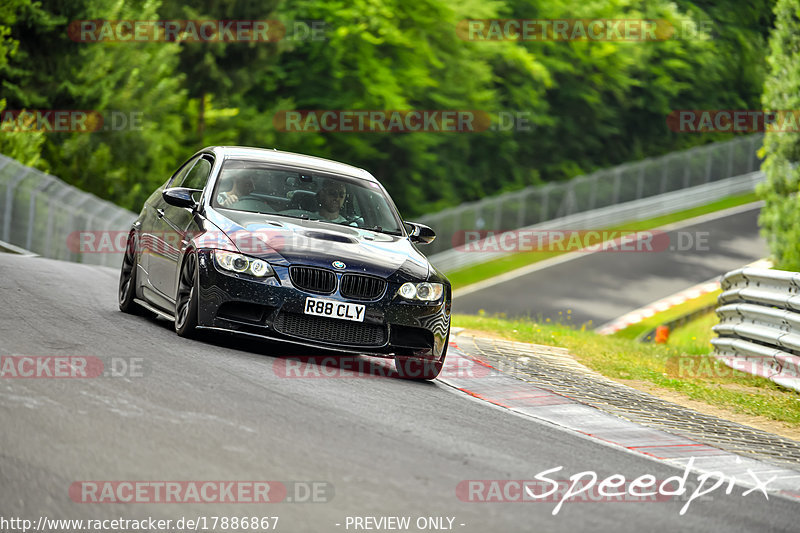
292	248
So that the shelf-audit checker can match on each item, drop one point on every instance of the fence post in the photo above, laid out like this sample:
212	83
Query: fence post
730	159
640	183
617	185
11	188
593	191
47	252
522	207
45	183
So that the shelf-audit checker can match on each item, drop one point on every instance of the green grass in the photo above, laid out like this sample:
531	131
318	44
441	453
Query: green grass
700	377
473	274
695	336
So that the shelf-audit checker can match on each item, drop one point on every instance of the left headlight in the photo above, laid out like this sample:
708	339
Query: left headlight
242	264
426	292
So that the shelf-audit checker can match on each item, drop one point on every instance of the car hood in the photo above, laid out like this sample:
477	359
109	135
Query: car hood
289	241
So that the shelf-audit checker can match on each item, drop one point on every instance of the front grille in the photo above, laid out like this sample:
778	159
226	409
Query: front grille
330	329
362	287
313	279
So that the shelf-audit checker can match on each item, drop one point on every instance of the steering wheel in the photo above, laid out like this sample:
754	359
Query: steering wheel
252	203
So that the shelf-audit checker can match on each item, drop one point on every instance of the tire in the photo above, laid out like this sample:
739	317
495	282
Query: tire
186	300
127	280
420	369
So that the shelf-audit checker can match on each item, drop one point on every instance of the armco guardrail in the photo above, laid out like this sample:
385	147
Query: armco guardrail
42	214
663	204
759	329
602	189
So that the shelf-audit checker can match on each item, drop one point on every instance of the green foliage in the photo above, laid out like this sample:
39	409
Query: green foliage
587	104
780	218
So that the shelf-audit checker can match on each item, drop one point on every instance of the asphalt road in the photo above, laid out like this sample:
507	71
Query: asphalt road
217	410
602	286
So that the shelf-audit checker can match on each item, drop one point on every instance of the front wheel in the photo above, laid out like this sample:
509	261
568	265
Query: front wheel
186	301
422	369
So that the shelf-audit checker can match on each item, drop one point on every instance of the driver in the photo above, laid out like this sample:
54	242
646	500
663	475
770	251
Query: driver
242	186
331	198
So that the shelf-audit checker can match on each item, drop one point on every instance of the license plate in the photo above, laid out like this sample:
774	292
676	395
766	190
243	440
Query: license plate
334	309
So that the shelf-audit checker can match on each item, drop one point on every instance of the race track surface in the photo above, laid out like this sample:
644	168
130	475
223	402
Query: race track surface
219	410
602	286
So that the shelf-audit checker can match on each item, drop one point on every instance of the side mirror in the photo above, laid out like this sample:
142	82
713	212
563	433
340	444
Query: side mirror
420	233
179	196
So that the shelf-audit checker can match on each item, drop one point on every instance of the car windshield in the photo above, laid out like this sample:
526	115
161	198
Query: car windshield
261	188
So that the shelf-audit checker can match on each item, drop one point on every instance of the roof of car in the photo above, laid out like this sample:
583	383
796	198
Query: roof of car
290	159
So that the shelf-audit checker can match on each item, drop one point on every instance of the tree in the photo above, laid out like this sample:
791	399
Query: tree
780	217
122	81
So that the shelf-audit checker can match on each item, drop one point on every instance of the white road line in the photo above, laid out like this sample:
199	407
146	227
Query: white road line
554	261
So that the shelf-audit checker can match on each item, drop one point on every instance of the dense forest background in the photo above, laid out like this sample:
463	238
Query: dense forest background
589	104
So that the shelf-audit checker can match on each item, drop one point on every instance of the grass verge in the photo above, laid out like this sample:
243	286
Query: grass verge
699	377
473	274
695	336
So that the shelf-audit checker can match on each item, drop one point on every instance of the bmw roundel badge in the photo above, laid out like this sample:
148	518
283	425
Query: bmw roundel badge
338	264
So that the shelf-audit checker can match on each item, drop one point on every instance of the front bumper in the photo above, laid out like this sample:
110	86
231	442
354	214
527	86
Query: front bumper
274	309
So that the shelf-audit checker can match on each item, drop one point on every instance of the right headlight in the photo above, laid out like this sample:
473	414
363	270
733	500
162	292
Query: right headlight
242	264
426	292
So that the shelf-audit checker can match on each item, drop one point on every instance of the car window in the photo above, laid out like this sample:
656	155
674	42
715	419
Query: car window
256	187
180	175
196	178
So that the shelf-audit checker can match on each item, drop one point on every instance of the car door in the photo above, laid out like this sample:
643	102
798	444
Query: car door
152	237
155	234
177	222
